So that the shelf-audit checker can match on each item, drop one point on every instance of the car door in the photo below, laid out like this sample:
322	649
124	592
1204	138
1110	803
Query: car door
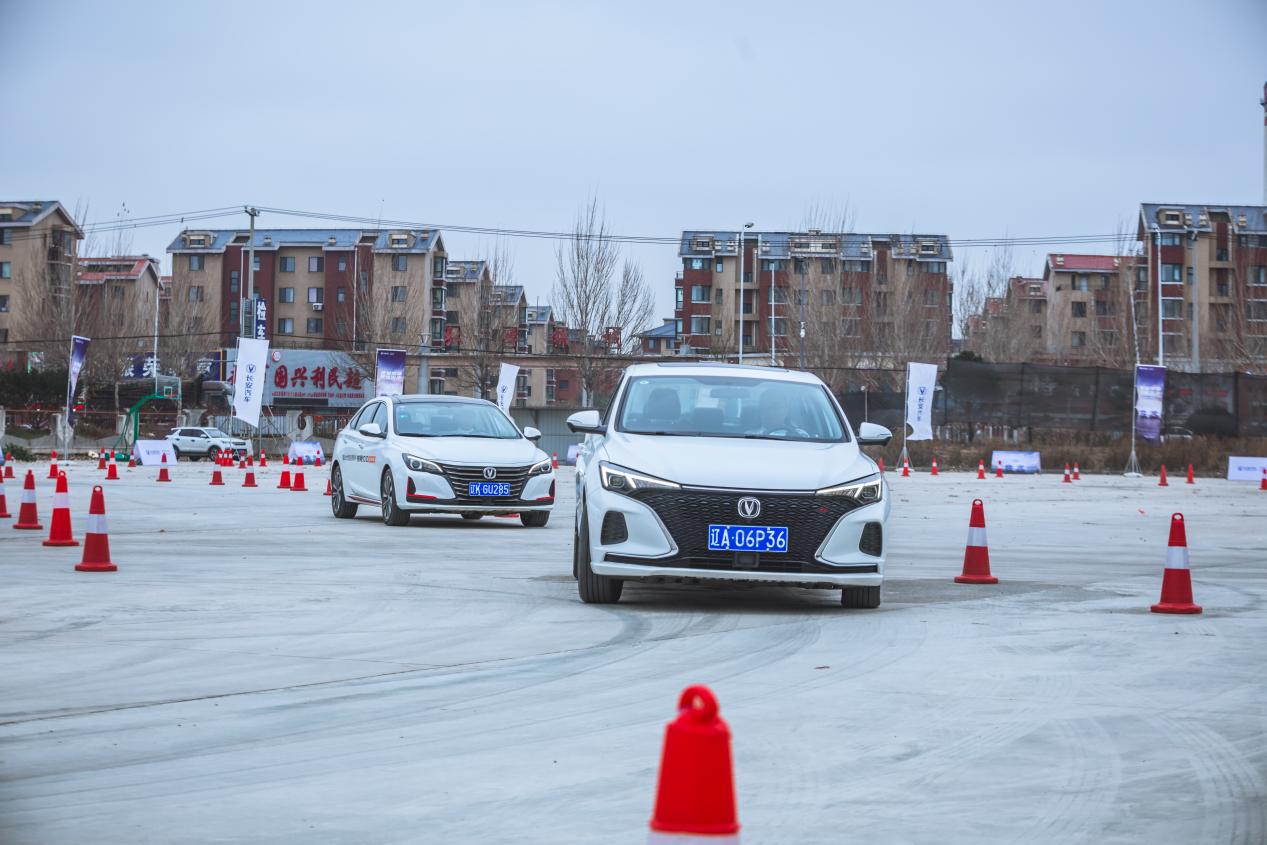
352	461
375	453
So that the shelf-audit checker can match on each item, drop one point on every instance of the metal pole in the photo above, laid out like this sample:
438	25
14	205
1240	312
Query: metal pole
739	304
250	276
1161	346
158	295
802	317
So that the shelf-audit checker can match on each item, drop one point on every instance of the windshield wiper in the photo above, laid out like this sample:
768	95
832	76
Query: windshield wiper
417	434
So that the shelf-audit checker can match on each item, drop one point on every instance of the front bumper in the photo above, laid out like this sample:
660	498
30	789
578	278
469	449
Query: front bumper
428	492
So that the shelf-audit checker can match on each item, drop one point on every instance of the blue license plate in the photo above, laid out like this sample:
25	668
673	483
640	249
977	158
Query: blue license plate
747	538
487	488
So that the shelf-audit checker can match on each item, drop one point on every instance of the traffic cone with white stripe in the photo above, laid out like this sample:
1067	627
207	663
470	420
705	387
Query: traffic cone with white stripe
162	469
1176	579
112	471
998	471
286	459
249	481
317	461
934	469
96	539
981	469
101	461
250	460
263	459
1161	479
4	506
1076	475
329	489
554	460
59	533
1066	479
1191	477
283	483
297	486
8	465
52	467
976	555
216	479
1262	485
131	460
28	511
241	463
695	792
906	466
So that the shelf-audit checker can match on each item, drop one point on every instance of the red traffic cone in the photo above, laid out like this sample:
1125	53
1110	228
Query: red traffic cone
695	793
934	469
317	462
554	460
96	539
131	460
216	479
101	461
112	472
52	467
297	485
4	506
329	489
1161	479
906	467
250	460
1076	475
1191	478
1066	479
976	555
880	461
241	463
1176	579
998	470
286	459
980	469
249	481
28	512
8	465
283	483
162	469
59	533
263	459
1262	485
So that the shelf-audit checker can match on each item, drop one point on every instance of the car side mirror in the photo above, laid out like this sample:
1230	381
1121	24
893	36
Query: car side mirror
870	434
532	434
371	429
586	422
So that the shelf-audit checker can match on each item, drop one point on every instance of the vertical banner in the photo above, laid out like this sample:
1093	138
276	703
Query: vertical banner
1150	390
506	386
261	319
389	372
78	351
249	381
921	381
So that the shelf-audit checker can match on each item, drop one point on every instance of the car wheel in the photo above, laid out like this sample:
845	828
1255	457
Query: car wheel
343	509
535	519
213	453
392	514
175	454
593	588
860	597
473	517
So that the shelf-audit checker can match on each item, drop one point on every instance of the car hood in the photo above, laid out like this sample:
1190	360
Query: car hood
476	451
736	463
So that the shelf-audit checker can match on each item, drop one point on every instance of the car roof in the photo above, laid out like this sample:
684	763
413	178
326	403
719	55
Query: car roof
411	398
719	368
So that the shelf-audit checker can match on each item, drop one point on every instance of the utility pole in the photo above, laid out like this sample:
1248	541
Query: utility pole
801	298
250	279
740	239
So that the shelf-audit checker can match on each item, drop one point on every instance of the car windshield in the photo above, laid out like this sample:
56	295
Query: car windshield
453	419
215	432
730	406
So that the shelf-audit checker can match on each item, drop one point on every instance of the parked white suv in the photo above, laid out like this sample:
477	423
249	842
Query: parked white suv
440	454
703	472
195	443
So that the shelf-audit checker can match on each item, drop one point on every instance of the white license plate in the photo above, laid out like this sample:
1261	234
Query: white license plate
747	538
487	488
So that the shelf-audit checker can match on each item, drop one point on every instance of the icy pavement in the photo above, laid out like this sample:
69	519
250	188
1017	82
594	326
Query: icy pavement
257	671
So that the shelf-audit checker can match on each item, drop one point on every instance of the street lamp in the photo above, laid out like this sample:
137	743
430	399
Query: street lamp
739	304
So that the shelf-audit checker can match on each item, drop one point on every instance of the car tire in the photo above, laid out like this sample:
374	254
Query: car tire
534	519
175	454
866	598
343	509
473	517
213	453
593	588
392	514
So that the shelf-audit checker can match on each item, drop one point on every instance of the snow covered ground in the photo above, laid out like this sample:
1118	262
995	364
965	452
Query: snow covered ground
257	671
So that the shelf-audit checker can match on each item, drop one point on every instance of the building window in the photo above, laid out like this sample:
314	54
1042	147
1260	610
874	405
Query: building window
717	267
285	294
1108	338
851	296
1101	308
195	263
341	327
256	264
770	265
1078	340
285	325
699	325
700	293
851	327
855	266
438	266
827	265
398	293
779	327
930	298
827	297
343	264
1172	273
1104	282
398	325
6	270
6	237
1079	309
1172	309
1080	281
340	294
364	283
1171	239
437	299
1035	306
1036	332
4	335
1258	275
4	303
233	310
316	264
286	264
400	262
194	294
316	295
316	326
934	266
717	294
233	281
677	293
1258	310
695	264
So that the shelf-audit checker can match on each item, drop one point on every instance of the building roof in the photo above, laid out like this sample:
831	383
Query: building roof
23	213
668	329
1061	262
1195	217
466	270
540	313
421	240
1020	286
118	268
812	244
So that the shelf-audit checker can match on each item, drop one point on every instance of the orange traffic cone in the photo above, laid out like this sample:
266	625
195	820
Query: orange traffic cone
1191	478
249	481
1076	475
1176	579
162	469
297	485
1066	479
131	460
554	460
980	470
329	489
976	555
96	539
998	471
283	483
263	459
695	793
4	506
52	467
881	463
112	472
59	533
1161	480
8	465
934	469
216	479
101	461
28	512
906	467
1262	485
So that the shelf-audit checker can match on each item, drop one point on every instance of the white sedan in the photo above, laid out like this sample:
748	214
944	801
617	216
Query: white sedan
717	472
439	454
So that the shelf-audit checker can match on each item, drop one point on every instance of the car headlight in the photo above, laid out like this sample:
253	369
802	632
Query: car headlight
620	480
421	465
864	491
540	468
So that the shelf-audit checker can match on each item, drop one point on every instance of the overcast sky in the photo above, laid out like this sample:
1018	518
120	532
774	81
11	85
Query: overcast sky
969	119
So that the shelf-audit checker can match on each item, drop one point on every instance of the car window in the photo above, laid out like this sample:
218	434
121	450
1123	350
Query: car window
453	419
358	418
380	416
215	432
202	434
730	406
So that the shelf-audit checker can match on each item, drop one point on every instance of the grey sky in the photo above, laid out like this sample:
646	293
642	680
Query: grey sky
970	119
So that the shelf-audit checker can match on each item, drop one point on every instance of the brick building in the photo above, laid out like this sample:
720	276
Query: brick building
39	240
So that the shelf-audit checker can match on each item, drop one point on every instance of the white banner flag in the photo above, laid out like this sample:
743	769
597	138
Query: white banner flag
506	385
921	381
249	380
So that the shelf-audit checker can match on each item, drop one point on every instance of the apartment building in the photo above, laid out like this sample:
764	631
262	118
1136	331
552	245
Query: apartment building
1087	310
661	340
1202	289
322	288
119	284
38	244
864	298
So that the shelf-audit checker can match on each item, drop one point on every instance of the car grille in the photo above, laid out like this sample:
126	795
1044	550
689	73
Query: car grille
688	513
460	476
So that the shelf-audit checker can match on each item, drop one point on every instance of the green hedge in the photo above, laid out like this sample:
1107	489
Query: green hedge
44	387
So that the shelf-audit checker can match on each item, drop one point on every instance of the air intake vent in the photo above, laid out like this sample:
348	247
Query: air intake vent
872	540
614	529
